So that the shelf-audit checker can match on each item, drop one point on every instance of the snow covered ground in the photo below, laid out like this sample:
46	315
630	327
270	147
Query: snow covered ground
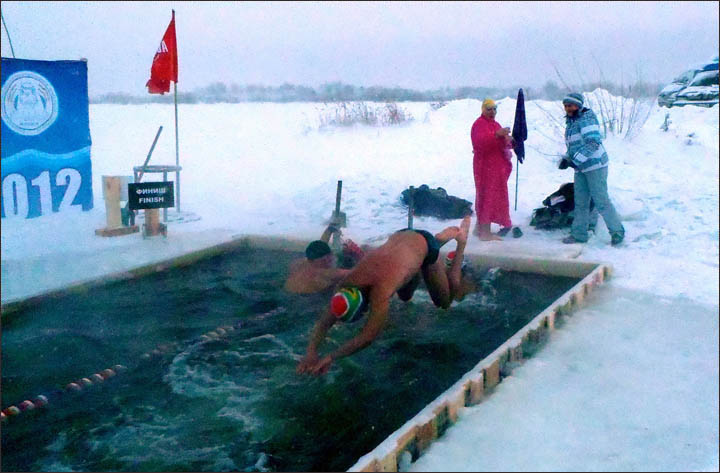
629	383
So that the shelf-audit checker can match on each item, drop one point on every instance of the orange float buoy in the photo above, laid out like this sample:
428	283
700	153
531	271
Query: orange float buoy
107	373
40	401
27	405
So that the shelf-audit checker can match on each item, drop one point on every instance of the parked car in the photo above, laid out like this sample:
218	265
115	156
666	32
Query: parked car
702	90
696	86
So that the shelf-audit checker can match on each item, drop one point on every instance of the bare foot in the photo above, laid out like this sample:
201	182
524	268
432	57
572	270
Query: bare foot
489	237
447	234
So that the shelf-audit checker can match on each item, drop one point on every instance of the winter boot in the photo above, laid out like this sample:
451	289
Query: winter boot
616	238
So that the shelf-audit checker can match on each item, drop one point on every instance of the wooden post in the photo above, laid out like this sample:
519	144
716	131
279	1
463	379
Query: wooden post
339	219
338	195
112	191
113	194
152	222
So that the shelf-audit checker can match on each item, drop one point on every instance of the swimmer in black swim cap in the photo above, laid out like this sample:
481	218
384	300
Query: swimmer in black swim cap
319	270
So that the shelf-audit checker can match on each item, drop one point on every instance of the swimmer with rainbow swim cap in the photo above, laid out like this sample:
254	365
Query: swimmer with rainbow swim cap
348	304
396	266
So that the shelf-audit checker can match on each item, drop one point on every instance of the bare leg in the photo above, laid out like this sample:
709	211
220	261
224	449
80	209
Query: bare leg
437	283
435	275
454	273
406	292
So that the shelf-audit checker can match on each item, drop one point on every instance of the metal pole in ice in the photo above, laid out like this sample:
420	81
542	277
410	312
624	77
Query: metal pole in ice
411	205
177	154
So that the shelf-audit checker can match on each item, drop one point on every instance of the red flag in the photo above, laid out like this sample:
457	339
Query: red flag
165	63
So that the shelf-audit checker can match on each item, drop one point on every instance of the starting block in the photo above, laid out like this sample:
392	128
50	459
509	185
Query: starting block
115	191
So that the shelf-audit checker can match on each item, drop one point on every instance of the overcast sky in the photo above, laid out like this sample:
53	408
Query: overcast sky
421	45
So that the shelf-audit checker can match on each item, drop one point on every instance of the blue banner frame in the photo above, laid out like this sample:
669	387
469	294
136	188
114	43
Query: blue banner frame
45	155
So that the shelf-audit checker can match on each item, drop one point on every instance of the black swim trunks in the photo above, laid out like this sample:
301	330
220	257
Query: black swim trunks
432	243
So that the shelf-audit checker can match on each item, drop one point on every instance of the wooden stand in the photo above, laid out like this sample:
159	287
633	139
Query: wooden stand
111	232
112	193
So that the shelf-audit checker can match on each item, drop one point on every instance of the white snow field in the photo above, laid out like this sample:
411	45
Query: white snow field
629	383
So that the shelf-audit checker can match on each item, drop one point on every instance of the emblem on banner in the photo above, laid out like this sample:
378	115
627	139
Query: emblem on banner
29	103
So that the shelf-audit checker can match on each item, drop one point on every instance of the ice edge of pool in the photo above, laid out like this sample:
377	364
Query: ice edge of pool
411	440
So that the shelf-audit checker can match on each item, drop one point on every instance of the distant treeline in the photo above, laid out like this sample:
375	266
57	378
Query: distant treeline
219	92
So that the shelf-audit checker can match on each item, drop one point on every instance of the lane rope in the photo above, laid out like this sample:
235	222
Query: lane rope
79	385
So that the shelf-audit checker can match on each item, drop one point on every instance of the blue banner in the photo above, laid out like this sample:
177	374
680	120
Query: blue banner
45	152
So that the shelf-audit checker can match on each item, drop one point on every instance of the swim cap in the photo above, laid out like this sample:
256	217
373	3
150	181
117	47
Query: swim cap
346	304
317	249
449	258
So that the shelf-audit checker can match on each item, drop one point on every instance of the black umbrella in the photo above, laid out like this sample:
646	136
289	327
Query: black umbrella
519	134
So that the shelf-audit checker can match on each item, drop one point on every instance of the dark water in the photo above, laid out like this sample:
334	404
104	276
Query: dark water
234	403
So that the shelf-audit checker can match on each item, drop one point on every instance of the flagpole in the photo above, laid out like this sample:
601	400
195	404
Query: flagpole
8	35
177	153
517	173
519	134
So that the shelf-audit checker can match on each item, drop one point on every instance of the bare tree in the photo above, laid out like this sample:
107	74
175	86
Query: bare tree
620	112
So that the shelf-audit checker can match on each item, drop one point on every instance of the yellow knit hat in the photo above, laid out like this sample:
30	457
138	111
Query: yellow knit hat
488	103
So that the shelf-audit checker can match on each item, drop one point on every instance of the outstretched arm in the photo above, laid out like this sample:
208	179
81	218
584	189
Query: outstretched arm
376	321
328	232
321	328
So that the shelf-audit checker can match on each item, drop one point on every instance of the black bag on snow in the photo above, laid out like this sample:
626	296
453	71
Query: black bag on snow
558	210
436	203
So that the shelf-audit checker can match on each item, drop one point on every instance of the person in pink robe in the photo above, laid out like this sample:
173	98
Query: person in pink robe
492	166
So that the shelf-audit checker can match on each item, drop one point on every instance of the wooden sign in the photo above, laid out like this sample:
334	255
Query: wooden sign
151	195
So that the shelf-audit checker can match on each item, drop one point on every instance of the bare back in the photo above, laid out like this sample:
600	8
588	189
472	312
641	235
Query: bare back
304	278
390	266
